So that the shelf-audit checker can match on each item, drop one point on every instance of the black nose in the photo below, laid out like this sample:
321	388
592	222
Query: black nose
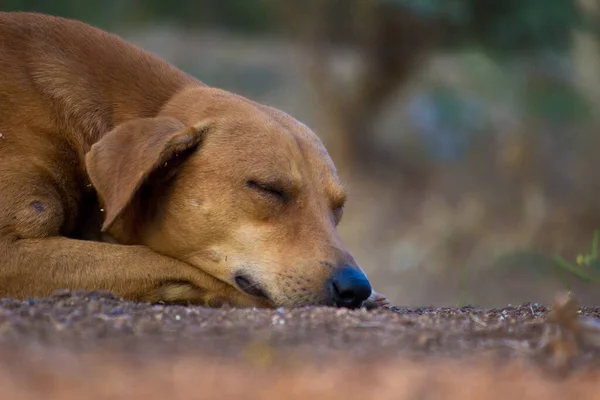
349	287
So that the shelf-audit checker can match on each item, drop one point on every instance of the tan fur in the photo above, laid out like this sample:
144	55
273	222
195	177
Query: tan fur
103	140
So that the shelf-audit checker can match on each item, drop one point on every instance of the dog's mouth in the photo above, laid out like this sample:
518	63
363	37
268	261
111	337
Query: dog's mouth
248	285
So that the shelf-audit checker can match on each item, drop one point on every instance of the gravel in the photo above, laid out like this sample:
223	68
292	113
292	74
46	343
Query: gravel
67	342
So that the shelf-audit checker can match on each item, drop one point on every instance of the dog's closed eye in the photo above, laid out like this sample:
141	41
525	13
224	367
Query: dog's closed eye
268	190
338	212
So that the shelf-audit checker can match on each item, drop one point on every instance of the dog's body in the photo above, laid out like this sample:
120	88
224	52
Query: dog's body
207	197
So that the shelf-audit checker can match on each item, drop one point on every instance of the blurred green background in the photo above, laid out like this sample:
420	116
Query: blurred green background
467	130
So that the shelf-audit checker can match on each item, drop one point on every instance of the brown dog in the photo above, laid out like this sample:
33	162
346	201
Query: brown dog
206	196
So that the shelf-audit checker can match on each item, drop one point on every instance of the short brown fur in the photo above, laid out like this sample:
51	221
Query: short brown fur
120	172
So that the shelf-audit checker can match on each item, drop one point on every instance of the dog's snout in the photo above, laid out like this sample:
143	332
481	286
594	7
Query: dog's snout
349	287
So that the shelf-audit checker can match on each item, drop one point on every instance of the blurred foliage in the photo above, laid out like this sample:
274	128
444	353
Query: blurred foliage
490	27
586	266
557	104
251	16
490	24
507	25
448	120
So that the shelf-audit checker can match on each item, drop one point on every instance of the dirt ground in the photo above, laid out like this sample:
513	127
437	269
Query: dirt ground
95	346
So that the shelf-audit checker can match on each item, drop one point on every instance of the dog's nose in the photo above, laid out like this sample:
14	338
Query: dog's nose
349	287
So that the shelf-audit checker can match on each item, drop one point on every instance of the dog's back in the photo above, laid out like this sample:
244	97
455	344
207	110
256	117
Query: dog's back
94	78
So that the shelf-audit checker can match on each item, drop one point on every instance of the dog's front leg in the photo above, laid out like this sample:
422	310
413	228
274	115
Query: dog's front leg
37	267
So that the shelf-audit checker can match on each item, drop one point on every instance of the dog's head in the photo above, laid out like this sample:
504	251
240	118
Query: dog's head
242	191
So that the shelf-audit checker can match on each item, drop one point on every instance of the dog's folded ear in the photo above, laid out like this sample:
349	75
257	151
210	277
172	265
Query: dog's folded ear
119	163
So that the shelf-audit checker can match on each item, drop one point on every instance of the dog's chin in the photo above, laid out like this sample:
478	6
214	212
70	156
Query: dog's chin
291	301
285	300
299	298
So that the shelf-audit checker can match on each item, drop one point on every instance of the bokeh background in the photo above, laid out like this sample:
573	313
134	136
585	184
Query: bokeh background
467	131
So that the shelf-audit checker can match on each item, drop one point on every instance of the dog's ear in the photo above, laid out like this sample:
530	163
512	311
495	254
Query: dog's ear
119	163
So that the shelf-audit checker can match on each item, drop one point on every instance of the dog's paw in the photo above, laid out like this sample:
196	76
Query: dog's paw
376	300
176	293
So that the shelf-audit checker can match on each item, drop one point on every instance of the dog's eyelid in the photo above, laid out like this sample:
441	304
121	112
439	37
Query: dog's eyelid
337	212
268	188
339	203
275	183
257	184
